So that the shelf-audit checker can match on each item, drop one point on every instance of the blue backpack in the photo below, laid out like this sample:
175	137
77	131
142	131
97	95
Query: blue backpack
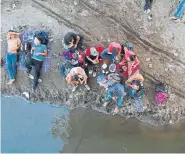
65	69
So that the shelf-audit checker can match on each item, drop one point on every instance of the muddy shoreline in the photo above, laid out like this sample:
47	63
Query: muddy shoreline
101	28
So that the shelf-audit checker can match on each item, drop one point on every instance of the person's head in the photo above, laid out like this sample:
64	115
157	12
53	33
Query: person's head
93	51
116	95
70	40
76	77
114	52
38	40
132	58
12	36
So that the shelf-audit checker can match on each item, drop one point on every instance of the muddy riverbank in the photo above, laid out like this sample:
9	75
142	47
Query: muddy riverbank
150	39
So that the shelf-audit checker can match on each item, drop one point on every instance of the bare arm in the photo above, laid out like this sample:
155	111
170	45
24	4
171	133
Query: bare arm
45	53
12	33
77	39
89	59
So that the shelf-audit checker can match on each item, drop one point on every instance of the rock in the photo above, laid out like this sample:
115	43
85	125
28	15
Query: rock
50	21
175	54
13	6
26	94
148	59
167	69
75	3
150	65
84	13
51	40
8	10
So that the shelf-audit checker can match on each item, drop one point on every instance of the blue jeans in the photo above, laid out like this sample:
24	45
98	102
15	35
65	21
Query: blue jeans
11	60
136	100
178	14
148	4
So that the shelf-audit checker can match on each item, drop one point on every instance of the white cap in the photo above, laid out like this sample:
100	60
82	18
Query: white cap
93	51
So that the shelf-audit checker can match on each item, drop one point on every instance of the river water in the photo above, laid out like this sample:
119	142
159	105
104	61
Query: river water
42	128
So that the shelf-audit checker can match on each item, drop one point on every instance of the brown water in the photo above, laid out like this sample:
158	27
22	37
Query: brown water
96	132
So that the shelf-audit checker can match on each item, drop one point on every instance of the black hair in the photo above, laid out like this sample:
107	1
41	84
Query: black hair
122	49
40	38
132	58
12	31
140	86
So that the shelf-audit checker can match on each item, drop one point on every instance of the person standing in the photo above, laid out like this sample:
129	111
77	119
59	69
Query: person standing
179	12
14	44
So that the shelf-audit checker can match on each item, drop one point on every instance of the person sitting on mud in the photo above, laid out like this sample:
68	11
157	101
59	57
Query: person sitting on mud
129	64
38	51
93	54
14	44
134	87
73	41
148	5
76	77
117	93
178	14
111	52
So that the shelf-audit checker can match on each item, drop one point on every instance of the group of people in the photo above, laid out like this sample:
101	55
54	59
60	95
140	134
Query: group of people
119	58
119	73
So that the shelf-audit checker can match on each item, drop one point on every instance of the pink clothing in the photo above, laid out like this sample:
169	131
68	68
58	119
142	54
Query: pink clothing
114	45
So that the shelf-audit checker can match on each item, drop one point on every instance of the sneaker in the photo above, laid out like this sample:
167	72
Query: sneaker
105	104
39	80
74	88
94	74
90	72
11	81
32	77
87	87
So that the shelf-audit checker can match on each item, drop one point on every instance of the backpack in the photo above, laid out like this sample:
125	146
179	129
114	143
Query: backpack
81	57
161	93
114	77
67	55
43	35
65	69
129	46
140	93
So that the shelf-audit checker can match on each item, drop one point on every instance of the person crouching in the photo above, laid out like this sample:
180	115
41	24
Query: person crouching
76	77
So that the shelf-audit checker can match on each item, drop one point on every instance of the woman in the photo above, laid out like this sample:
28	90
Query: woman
129	64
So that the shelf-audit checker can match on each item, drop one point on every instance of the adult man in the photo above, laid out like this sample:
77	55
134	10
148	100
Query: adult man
134	86
73	41
39	50
93	54
129	64
14	44
117	93
77	76
111	52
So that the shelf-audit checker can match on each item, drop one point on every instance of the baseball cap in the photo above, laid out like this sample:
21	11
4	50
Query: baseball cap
93	51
